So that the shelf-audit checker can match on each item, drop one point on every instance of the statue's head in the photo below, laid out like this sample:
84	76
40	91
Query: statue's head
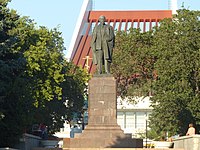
102	19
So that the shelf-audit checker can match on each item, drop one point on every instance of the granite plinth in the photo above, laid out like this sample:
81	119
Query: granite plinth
102	130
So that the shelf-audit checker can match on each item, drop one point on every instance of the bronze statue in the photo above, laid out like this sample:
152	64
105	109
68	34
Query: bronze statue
102	44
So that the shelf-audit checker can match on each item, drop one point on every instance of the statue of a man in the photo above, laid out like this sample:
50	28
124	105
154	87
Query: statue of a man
102	44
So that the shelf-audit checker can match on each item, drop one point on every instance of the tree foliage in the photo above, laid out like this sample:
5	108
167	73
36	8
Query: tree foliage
133	62
13	109
164	62
74	89
177	52
35	79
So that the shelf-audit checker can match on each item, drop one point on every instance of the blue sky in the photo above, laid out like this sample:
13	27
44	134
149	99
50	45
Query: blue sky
64	13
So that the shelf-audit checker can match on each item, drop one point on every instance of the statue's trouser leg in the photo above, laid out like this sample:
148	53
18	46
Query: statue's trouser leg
99	61
107	66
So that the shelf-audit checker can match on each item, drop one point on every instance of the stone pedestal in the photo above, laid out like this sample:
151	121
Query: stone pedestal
102	130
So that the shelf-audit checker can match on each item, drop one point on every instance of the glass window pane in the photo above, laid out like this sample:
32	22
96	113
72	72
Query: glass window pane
140	120
130	120
120	119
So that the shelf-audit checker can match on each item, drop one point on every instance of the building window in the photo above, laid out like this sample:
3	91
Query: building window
130	120
120	119
140	120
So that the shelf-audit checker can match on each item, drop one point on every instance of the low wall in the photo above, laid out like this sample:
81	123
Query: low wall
103	149
28	142
188	142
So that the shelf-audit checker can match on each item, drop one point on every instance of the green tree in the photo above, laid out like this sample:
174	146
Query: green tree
44	59
74	89
33	77
164	62
43	51
74	93
176	91
133	62
14	108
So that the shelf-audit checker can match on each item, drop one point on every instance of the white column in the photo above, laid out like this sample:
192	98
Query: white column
79	28
173	6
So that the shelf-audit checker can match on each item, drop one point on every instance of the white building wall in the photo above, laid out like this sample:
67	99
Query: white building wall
133	118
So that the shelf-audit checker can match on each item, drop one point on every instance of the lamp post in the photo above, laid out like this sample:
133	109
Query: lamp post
146	119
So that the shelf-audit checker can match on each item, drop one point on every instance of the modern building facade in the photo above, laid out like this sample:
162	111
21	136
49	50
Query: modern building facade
133	118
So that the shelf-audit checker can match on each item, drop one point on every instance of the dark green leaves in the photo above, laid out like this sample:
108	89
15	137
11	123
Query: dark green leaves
166	63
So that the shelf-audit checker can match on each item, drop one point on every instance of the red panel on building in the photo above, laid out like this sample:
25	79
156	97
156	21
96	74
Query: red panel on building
120	20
